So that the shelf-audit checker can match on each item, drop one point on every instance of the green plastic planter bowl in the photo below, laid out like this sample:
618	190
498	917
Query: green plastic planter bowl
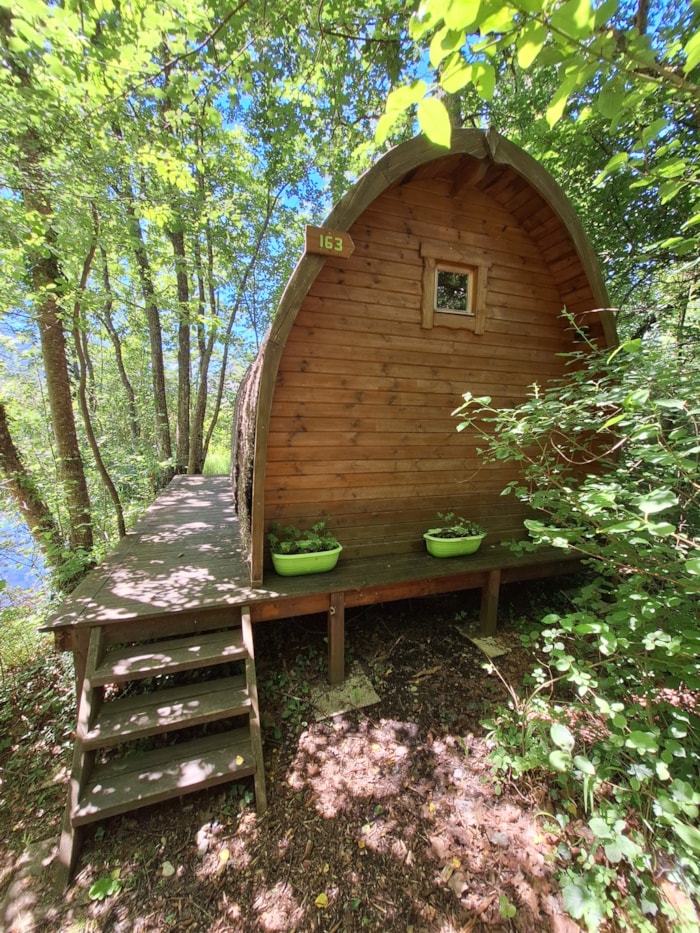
294	565
452	547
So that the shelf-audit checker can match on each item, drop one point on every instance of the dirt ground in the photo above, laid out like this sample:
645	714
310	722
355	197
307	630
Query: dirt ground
386	818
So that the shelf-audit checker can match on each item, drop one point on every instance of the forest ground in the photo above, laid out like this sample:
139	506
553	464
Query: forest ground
385	818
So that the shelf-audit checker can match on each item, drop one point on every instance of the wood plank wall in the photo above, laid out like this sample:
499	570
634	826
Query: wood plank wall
361	425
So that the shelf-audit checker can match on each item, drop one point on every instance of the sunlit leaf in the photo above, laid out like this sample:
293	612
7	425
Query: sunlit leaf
530	43
692	52
658	500
575	18
612	165
562	736
443	43
434	121
642	741
559	760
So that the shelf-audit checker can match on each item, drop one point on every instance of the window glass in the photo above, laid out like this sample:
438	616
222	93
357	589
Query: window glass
453	291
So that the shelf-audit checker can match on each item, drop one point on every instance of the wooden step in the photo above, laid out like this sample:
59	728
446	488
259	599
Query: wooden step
134	662
144	714
146	778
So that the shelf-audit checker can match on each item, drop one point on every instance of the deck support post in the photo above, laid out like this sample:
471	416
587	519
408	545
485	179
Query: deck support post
80	640
489	602
336	638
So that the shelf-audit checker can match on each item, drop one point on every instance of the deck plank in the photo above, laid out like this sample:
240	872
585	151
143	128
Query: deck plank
152	777
144	714
127	662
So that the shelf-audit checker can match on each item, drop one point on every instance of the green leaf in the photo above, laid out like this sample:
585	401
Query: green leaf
670	189
397	102
630	524
612	852
689	834
456	74
581	902
653	130
600	828
462	14
500	20
562	736
656	501
384	125
555	111
614	420
693	565
642	741
661	529
612	165
434	121
559	760
484	80
584	765
609	101
662	771
104	887
443	43
405	96
575	18
530	43
692	52
637	398
605	12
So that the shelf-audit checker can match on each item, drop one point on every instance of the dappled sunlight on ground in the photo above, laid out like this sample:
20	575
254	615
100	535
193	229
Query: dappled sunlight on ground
428	807
383	819
359	762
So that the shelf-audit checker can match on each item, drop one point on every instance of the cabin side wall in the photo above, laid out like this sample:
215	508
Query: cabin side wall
361	426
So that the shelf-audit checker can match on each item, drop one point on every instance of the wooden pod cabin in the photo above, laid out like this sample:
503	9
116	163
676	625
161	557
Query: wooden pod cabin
463	263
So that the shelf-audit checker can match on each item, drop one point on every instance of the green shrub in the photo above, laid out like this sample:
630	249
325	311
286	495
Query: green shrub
610	462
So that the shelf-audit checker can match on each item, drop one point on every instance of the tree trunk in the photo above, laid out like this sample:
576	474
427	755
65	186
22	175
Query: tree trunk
47	284
106	318
205	347
182	442
78	338
271	203
163	441
27	498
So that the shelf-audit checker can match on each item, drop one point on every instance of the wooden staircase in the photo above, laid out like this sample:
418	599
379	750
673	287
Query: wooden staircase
112	774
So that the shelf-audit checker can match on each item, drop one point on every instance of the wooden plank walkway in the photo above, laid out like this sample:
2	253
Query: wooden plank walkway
184	561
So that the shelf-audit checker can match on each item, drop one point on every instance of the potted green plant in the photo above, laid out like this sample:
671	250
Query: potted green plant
297	551
454	537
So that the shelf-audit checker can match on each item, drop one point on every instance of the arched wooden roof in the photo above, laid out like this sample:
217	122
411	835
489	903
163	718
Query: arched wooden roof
484	158
406	159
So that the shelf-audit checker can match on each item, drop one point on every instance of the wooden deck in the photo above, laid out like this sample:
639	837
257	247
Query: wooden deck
183	562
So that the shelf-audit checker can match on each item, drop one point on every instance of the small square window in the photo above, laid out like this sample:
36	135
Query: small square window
453	291
454	287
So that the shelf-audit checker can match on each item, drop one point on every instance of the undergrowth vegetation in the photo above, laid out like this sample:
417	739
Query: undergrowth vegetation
610	461
37	719
20	638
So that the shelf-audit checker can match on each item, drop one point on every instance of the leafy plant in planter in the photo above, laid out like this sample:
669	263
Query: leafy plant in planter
456	536
298	551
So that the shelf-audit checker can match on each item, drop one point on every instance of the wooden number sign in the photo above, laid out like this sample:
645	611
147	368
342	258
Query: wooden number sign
328	242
